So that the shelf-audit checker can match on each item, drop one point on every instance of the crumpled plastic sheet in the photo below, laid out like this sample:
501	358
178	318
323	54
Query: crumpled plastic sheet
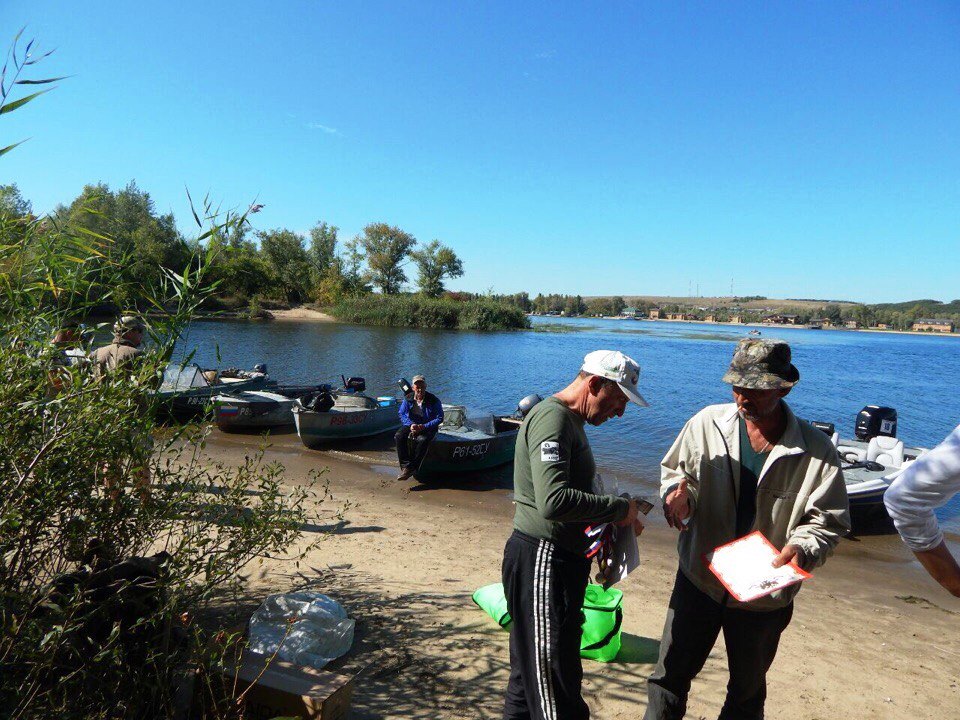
305	628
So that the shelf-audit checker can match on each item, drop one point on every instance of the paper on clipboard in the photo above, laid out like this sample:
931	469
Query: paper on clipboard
745	568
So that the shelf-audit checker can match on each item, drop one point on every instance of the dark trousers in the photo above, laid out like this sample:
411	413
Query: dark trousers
412	456
544	586
694	621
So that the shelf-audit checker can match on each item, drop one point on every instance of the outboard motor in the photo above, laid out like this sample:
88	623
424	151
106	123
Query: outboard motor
526	405
354	384
320	401
260	368
828	428
405	387
874	420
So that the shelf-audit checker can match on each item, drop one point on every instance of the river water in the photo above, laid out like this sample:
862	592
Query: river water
681	365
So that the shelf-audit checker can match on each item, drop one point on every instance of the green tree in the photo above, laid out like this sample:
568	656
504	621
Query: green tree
323	246
12	203
435	262
386	248
290	265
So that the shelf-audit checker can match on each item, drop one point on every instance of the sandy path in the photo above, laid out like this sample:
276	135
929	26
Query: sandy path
302	313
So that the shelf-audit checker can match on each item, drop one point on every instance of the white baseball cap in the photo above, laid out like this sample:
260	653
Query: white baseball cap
614	365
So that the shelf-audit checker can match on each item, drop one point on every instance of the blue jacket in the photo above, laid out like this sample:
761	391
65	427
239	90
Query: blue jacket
432	411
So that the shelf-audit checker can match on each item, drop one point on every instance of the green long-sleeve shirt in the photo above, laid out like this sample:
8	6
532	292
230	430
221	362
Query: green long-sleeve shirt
553	472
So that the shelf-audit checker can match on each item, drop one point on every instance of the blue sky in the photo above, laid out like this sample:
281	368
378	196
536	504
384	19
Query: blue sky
797	149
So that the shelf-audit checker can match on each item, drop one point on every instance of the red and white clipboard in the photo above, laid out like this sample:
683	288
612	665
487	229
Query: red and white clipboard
745	568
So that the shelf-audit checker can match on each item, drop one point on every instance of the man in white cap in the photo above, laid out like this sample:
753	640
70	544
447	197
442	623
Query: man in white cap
545	571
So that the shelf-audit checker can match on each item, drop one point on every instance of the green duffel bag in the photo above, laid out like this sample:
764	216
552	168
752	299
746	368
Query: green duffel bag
602	623
602	618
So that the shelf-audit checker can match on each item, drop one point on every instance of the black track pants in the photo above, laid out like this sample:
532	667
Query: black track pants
544	586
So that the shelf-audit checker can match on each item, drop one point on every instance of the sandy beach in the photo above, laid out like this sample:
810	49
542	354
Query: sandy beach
871	637
302	313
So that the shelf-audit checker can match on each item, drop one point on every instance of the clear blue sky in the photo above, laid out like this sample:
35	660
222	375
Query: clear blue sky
801	149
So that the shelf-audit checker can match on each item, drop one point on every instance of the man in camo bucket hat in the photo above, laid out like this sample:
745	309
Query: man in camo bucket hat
762	365
736	468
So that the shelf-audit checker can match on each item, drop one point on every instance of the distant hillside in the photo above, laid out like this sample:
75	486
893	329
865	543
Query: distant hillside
931	308
748	303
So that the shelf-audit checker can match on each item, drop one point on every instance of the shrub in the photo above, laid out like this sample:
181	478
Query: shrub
422	312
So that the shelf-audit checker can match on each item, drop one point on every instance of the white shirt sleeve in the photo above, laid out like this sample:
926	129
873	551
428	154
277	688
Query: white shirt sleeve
928	483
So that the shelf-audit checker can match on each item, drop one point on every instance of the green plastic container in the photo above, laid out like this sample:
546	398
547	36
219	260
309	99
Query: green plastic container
602	623
602	618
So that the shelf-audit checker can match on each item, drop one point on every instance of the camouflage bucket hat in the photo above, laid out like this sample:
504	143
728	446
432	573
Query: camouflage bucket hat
762	365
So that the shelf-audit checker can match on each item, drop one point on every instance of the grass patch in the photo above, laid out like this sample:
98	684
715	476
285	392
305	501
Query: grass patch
421	312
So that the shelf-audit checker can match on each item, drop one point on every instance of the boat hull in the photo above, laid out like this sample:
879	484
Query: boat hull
318	429
193	403
252	411
451	453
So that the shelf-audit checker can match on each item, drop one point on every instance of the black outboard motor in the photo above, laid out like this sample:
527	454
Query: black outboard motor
526	405
354	384
405	387
320	401
828	428
874	420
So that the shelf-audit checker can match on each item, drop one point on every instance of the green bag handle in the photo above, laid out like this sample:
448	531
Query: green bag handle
618	621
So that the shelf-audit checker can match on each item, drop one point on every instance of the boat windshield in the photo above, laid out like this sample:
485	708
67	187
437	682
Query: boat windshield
455	417
176	377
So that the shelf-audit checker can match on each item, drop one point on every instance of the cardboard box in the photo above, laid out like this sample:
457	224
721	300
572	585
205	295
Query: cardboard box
287	690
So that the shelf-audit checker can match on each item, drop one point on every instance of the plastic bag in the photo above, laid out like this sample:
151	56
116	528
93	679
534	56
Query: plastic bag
309	628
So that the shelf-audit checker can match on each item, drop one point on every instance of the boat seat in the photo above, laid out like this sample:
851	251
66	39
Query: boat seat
849	453
886	451
355	401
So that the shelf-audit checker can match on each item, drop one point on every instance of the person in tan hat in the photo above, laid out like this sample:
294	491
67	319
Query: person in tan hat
420	417
125	347
736	468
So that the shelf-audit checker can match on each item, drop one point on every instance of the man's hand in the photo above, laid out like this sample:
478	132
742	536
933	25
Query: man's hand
416	429
789	553
638	525
676	508
632	516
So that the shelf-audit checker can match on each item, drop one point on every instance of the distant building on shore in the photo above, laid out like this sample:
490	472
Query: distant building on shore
781	319
851	324
881	326
680	316
710	318
654	313
629	312
736	319
818	322
933	325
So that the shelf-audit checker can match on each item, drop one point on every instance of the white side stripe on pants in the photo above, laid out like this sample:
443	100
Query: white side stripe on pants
541	620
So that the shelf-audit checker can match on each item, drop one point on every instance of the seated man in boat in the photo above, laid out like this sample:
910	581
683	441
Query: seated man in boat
927	484
420	418
736	468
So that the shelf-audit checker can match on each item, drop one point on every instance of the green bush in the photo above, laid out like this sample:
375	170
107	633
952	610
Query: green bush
422	312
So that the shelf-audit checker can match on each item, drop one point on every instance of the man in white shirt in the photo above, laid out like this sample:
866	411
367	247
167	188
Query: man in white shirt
925	485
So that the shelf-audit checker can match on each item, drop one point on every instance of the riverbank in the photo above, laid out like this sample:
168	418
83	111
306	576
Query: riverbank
872	636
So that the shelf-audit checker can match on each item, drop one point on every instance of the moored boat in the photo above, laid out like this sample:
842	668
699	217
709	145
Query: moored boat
464	445
343	414
870	462
270	407
187	391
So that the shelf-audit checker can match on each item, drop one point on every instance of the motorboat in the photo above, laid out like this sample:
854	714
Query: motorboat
271	407
342	414
469	444
873	459
186	391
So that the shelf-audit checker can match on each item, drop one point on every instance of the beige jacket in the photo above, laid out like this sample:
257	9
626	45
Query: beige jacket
801	495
